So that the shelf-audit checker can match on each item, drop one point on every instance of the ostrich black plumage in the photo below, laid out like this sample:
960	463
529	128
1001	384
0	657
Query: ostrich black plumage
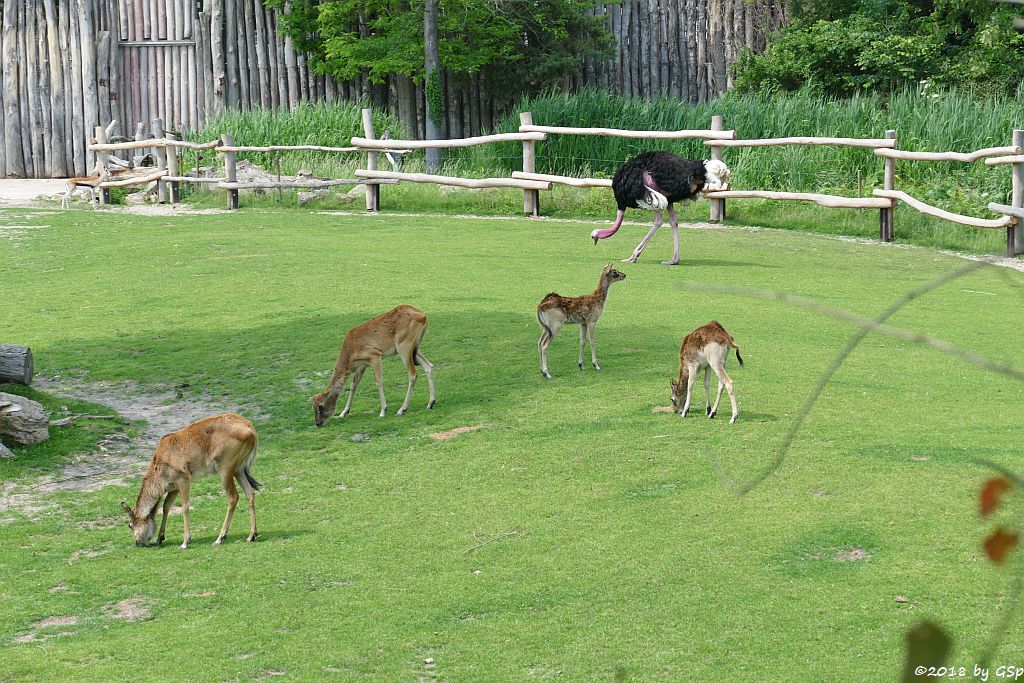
656	181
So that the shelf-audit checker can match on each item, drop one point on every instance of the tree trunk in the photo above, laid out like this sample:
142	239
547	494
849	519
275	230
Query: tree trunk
432	64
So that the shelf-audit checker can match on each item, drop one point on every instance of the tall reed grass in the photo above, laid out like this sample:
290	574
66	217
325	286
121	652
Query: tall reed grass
923	120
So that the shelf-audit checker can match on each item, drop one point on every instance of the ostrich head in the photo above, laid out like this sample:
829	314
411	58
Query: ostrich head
718	176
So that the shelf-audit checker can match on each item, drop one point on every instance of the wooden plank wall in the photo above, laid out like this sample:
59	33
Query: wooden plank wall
70	65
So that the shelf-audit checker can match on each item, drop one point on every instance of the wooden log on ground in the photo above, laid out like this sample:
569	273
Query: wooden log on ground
772	142
946	215
642	134
365	143
457	182
16	364
563	180
947	156
826	200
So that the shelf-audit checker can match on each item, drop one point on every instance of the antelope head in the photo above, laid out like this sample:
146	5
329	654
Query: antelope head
142	527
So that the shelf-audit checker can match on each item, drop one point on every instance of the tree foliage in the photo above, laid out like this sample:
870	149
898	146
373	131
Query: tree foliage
871	45
517	46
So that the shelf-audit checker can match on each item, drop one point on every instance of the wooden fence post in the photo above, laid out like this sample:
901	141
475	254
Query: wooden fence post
717	205
229	170
101	160
886	216
531	198
1015	233
372	190
173	168
161	160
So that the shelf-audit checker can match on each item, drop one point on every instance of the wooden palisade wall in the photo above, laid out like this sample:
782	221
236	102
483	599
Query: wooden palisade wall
70	65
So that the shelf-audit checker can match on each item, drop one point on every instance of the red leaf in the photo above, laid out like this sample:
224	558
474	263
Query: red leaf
999	545
991	492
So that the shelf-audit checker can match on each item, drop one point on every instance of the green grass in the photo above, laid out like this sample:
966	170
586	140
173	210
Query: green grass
629	558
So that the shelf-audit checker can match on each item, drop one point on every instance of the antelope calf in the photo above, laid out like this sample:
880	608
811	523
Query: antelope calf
555	310
224	445
706	347
399	331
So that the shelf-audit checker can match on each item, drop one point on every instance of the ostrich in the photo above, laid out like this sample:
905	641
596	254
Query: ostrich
655	181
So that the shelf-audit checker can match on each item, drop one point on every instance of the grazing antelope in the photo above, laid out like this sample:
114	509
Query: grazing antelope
223	444
554	311
706	347
91	183
399	331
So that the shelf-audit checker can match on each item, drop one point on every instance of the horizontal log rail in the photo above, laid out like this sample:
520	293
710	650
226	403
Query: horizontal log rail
1006	210
457	182
773	142
190	179
968	157
930	210
382	145
295	148
193	145
619	133
1013	159
301	185
826	200
132	144
563	180
136	180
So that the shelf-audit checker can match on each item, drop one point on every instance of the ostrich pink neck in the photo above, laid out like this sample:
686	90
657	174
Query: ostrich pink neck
608	232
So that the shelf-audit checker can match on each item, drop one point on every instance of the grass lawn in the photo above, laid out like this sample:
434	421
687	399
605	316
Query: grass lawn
577	535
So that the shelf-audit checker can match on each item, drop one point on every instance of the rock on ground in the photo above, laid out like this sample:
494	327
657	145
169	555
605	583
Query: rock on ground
26	426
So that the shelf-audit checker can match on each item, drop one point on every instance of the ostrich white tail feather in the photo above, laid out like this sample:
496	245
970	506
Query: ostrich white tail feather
653	201
717	176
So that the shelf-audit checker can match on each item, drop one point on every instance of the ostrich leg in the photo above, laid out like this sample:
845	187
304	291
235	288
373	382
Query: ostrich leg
674	222
643	243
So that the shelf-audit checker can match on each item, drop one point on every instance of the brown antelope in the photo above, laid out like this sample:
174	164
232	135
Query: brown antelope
223	444
554	311
399	331
706	347
91	183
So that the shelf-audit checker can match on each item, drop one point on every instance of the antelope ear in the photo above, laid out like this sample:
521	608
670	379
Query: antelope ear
124	506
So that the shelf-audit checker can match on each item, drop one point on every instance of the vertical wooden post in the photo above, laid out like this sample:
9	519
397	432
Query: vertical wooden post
173	168
885	220
161	159
1015	233
717	205
531	198
372	190
101	161
229	170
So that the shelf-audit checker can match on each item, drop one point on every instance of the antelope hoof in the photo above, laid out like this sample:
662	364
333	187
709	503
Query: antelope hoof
382	413
160	539
733	418
581	366
682	413
596	366
430	406
343	414
631	259
184	546
711	415
252	537
545	374
707	411
595	240
401	411
217	542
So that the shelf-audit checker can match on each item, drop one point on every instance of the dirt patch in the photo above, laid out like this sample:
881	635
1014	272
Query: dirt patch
33	637
88	553
850	555
662	409
56	621
117	457
452	433
132	609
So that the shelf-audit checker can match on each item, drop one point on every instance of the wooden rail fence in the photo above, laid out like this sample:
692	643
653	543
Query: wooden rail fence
717	138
